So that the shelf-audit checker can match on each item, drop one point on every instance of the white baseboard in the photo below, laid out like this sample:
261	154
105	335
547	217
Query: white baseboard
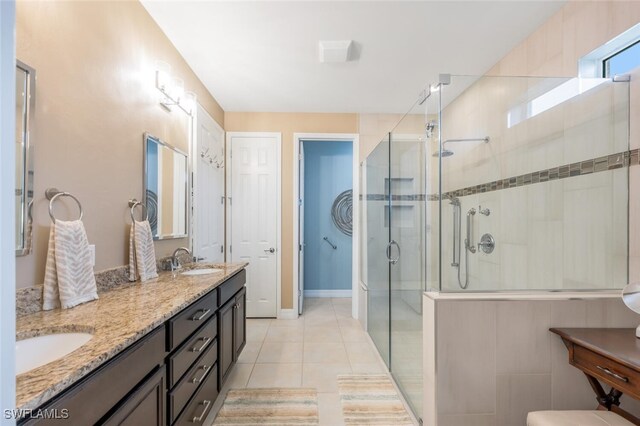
327	293
287	314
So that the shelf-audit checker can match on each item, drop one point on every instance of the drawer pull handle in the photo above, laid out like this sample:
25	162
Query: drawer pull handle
205	312
207	405
206	369
611	373
205	343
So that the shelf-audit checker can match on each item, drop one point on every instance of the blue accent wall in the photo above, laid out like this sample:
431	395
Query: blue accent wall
327	172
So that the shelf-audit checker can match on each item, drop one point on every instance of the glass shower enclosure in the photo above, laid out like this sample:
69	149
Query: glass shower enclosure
493	184
395	250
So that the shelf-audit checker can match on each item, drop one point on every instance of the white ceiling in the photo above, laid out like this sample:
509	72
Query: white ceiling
263	56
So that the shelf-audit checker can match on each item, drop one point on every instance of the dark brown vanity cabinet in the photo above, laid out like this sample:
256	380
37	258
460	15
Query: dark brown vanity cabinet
231	332
123	387
172	375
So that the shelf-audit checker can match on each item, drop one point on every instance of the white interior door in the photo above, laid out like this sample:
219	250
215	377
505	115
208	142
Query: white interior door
208	232
254	216
301	229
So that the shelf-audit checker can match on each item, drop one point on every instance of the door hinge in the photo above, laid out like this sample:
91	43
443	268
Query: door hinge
230	249
299	247
221	249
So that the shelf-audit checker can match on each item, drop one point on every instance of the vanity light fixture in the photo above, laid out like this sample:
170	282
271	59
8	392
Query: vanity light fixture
172	90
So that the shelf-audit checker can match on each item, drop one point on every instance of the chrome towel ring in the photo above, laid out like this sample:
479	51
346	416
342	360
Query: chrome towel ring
133	203
53	194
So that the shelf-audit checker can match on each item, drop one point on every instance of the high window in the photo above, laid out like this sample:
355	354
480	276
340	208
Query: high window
622	61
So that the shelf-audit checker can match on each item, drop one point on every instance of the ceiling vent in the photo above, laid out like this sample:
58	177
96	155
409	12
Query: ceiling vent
336	51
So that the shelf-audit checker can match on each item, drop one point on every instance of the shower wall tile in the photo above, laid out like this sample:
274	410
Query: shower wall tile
569	388
523	338
488	274
513	267
540	235
518	394
466	384
618	315
545	248
514	221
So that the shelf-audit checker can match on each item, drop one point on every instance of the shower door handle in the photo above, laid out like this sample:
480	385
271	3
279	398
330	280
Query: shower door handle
394	260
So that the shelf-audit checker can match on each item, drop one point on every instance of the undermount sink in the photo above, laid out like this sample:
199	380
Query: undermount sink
203	271
37	351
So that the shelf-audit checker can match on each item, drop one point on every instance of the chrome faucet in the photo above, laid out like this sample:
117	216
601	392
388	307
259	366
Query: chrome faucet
175	263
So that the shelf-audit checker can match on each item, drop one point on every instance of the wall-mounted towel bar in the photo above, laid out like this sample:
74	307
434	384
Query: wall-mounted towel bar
133	203
53	194
335	247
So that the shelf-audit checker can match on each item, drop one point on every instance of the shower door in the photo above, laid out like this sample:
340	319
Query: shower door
395	232
407	256
378	234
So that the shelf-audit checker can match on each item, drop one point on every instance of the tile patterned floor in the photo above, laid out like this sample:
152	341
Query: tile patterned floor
308	352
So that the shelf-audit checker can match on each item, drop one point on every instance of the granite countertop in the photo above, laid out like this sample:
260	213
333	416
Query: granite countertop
117	319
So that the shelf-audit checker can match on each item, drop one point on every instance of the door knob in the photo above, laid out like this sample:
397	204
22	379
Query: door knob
270	250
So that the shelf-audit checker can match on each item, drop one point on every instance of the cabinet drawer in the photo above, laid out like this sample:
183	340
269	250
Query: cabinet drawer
607	370
186	355
185	389
227	290
200	405
190	319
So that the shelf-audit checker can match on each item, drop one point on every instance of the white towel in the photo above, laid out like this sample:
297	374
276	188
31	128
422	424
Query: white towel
142	255
68	278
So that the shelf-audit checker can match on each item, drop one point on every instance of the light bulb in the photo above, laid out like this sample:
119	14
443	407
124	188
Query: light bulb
188	102
163	75
177	89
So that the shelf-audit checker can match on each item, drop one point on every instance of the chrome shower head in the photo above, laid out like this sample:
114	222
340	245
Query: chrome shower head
445	153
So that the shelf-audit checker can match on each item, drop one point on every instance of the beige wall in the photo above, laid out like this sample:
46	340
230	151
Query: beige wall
373	129
288	124
95	97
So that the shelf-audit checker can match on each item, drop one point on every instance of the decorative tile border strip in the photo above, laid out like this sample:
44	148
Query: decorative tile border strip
581	168
385	197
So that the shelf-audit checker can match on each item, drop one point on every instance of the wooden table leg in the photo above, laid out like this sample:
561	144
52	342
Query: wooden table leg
605	400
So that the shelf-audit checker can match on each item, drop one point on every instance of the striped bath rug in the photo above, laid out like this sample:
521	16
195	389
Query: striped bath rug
272	406
371	399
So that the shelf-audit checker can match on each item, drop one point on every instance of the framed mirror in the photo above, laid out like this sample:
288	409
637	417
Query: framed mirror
25	107
166	179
